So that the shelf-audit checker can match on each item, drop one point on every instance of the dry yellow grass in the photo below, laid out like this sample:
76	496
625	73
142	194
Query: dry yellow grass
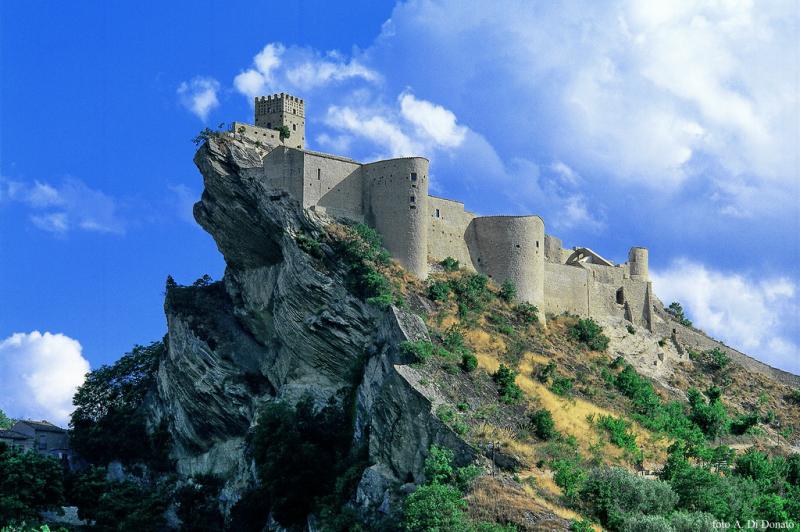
494	500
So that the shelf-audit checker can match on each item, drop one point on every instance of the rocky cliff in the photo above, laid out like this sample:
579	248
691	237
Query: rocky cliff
282	325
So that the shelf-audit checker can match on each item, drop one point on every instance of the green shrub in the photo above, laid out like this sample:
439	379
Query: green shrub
526	313
561	386
711	416
453	339
583	525
505	378
310	245
449	264
508	291
646	523
691	521
619	432
569	476
439	290
197	504
129	506
421	350
588	332
544	373
435	507
631	329
471	290
469	361
439	465
612	493
742	423
543	425
794	396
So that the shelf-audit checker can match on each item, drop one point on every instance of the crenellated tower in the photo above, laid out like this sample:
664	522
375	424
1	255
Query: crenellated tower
277	110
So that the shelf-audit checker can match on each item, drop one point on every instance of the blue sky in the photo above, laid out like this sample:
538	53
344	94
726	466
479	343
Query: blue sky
623	123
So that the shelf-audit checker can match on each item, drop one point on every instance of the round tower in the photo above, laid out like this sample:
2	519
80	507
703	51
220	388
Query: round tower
396	203
511	248
637	263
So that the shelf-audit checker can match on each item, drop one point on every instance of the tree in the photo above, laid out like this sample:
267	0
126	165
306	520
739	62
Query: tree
676	310
108	422
435	508
284	132
29	483
5	421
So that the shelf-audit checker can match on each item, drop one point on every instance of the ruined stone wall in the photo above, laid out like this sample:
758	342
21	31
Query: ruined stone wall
553	250
688	337
603	284
447	231
256	134
396	204
565	289
510	248
334	184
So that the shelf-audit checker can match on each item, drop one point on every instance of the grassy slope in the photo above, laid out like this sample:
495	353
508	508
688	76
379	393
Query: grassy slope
478	413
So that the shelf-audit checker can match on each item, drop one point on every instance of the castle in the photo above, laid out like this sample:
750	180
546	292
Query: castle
392	196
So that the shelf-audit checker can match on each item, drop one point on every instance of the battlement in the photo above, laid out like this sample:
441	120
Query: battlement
417	228
277	111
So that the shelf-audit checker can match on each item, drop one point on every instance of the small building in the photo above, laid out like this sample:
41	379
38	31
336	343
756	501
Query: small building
40	436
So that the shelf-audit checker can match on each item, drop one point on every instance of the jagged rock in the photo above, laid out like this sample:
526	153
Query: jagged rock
279	327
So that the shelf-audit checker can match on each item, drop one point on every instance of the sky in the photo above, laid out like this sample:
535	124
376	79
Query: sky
669	125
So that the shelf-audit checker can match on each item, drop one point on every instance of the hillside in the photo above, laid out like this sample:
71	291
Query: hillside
320	386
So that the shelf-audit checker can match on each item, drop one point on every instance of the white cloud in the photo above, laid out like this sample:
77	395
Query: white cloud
433	121
258	80
39	374
278	68
382	131
750	314
315	73
664	96
60	208
199	96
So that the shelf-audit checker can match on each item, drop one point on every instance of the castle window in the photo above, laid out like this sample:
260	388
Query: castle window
537	243
437	213
319	173
412	199
620	297
413	176
294	127
516	245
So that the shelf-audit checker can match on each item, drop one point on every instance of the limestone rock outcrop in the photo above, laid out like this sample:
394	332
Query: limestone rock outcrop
280	326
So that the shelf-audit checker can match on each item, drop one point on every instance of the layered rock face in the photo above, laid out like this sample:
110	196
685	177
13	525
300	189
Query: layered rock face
280	326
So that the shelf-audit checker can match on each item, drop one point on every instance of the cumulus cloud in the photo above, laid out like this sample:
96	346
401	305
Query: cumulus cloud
39	374
258	80
752	314
66	206
655	96
279	68
199	96
431	120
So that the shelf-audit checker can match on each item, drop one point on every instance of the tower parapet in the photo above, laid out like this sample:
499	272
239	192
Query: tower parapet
278	110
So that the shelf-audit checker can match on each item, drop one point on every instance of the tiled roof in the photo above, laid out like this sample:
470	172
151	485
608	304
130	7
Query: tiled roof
12	435
45	426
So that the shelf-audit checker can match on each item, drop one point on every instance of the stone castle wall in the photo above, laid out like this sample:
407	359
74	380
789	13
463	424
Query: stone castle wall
510	248
396	204
447	231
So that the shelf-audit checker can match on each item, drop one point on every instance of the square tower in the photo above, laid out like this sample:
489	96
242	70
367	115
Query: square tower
278	110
